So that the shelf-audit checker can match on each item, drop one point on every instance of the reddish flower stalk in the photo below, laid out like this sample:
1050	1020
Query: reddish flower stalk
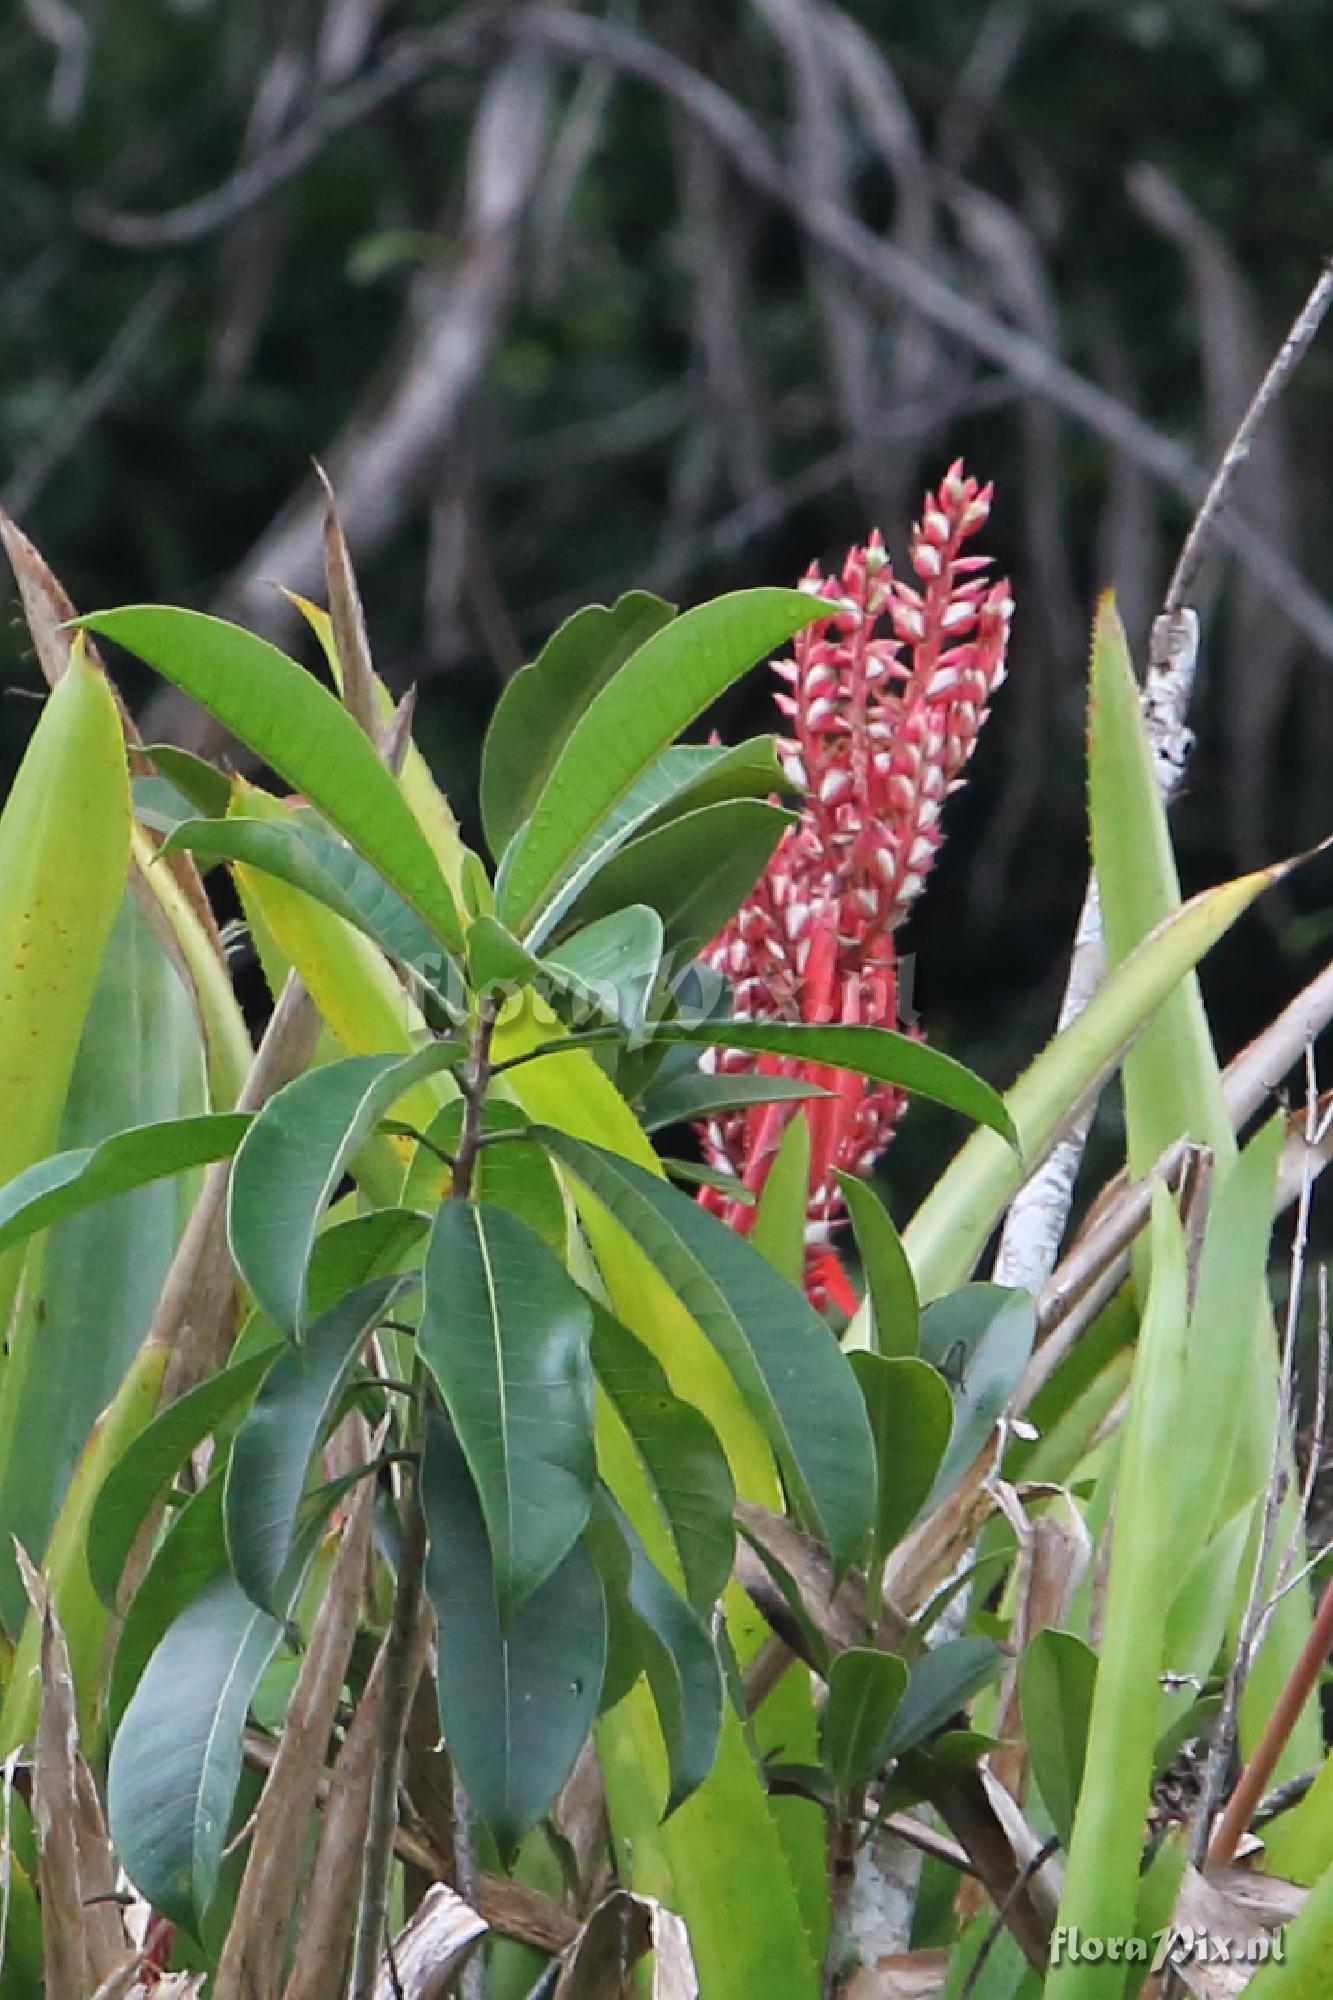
882	722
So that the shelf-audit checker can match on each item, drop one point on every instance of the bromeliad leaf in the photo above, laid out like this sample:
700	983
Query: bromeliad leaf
297	727
783	1357
176	1759
69	1182
660	690
505	1333
291	1160
673	1647
515	1704
542	703
679	1451
266	1472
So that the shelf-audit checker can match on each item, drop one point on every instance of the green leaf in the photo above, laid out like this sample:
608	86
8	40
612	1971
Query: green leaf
1055	1682
660	690
781	1354
895	1309
297	727
778	1231
516	1704
270	1457
176	1759
673	1646
505	1333
692	1174
206	788
940	1682
142	1475
495	957
514	1174
680	1100
911	1416
192	1552
880	1053
309	858
542	703
948	1232
864	1690
1172	1083
985	1333
72	1181
678	1449
694	871
613	964
292	1159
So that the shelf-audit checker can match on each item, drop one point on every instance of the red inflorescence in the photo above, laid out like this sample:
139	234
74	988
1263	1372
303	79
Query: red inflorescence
882	724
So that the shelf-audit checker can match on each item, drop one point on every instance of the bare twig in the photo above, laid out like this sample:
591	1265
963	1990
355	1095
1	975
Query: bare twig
1280	370
411	62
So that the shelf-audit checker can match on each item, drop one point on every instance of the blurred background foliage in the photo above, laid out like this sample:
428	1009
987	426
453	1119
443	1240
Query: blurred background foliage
685	293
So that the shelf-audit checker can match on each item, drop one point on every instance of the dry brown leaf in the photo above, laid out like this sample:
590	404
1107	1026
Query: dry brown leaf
1236	1908
621	1931
841	1620
432	1948
348	618
907	1975
251	1963
83	1936
579	1817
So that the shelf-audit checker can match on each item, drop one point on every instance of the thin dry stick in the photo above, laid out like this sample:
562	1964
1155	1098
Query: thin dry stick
1280	370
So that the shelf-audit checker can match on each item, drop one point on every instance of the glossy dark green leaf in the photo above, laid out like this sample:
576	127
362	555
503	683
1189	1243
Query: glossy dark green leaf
694	871
515	1705
542	703
865	1688
297	727
880	1053
911	1416
889	1282
691	1174
675	1652
679	1452
308	857
191	1553
1055	1683
612	965
147	1468
513	1174
206	787
784	1359
69	1182
495	958
940	1682
980	1338
679	1100
291	1160
659	691
270	1456
505	1333
176	1759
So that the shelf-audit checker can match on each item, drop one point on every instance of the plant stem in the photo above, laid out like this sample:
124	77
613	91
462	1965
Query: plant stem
410	1606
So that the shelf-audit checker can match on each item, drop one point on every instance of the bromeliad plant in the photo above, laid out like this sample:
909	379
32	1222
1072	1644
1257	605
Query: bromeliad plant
432	1521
